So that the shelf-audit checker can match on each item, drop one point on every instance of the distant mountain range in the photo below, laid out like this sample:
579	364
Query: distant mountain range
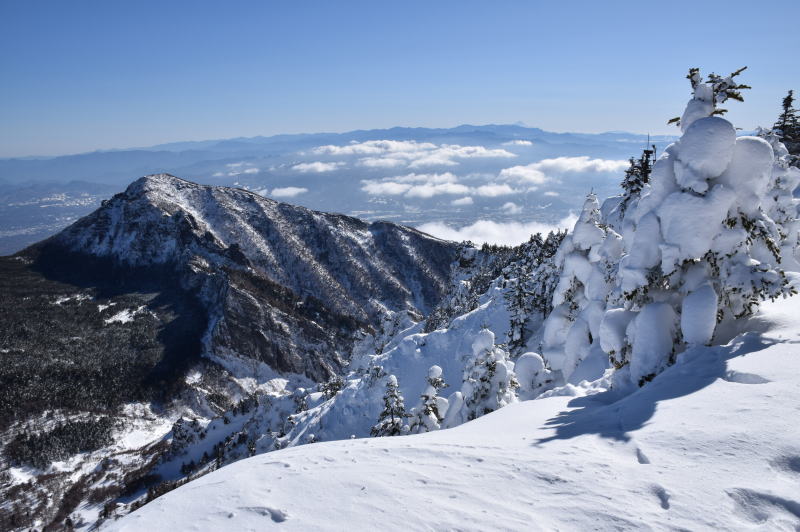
457	173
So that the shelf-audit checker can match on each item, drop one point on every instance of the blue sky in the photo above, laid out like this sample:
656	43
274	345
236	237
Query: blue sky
85	75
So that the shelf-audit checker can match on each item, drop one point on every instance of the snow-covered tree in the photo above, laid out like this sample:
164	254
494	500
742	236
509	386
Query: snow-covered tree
531	281
300	397
532	375
430	412
392	420
587	257
184	434
711	234
547	274
636	177
332	387
706	95
519	302
489	380
787	127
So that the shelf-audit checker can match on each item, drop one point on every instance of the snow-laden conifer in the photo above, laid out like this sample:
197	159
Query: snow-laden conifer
712	233
429	413
787	127
489	380
393	417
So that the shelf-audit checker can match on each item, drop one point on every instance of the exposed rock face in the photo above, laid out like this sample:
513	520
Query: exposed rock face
283	285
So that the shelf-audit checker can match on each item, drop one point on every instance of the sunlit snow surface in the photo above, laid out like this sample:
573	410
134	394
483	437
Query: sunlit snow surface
712	443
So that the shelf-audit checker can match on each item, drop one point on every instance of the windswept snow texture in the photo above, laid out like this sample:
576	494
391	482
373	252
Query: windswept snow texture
698	448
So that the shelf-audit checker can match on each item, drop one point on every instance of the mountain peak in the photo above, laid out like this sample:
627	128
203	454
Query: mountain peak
158	180
166	187
224	243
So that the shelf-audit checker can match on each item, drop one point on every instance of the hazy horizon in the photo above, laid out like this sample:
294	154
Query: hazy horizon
97	75
333	132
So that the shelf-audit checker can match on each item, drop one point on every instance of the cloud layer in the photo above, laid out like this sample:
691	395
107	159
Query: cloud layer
409	153
462	201
518	143
487	231
511	208
317	167
287	192
430	185
541	172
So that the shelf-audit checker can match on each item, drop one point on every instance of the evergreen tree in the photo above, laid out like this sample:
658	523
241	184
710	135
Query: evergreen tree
392	419
332	387
429	414
708	94
532	277
636	177
489	380
519	305
547	274
787	127
713	234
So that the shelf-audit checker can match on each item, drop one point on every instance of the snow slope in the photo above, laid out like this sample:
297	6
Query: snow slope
711	443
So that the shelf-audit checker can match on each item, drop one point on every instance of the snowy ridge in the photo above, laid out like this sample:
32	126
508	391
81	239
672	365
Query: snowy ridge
310	283
448	376
706	445
226	303
607	360
148	224
652	300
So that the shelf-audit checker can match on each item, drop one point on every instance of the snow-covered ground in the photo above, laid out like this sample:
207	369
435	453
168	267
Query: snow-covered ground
712	443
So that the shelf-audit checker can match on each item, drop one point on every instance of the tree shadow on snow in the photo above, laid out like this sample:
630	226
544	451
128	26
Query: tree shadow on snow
613	414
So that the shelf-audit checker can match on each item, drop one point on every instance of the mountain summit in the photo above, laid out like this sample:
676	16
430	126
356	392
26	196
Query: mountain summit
282	284
175	300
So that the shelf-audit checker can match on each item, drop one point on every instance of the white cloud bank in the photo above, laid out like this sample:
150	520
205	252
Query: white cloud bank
511	208
430	185
409	153
375	147
525	174
518	142
288	192
581	164
316	167
462	201
492	190
540	172
488	231
239	168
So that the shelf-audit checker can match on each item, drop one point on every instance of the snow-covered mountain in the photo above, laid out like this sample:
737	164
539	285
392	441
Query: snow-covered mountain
708	445
175	299
607	359
651	300
282	285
